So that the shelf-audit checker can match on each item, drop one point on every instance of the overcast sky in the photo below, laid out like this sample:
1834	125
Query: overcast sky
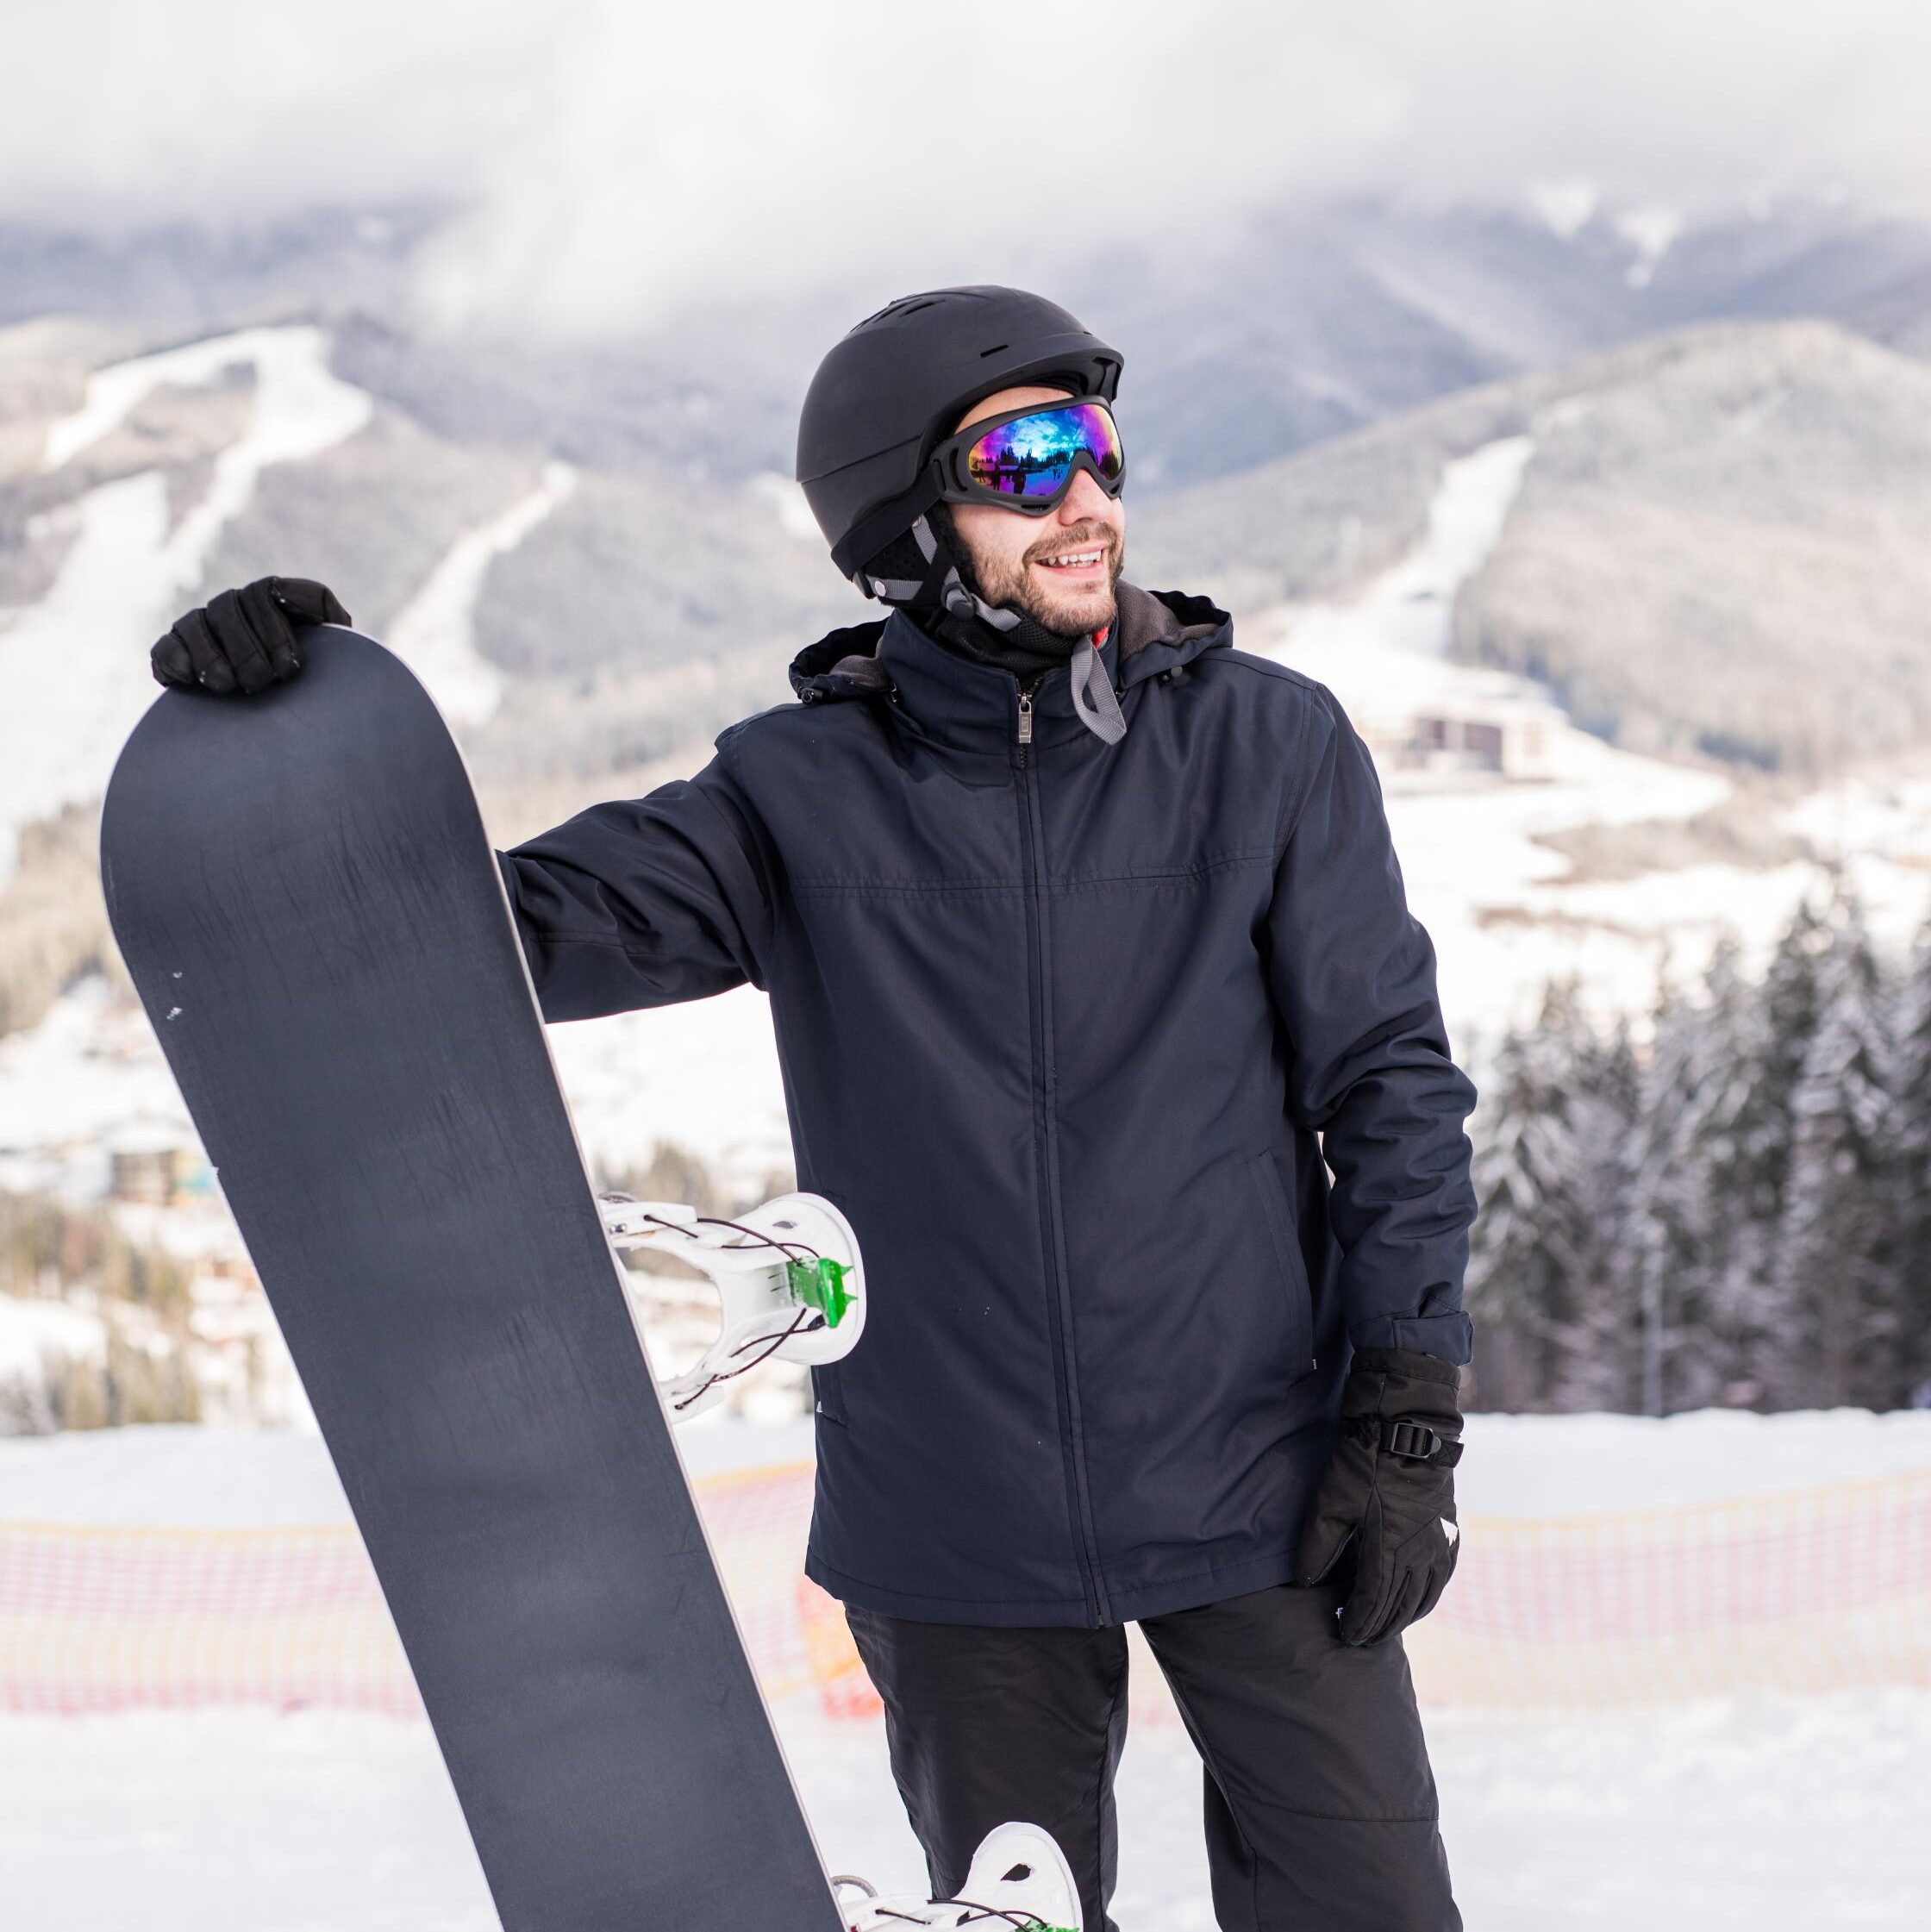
617	155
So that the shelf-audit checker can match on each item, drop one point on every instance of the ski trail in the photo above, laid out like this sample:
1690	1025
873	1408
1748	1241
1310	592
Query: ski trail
435	633
1494	900
1410	607
80	648
298	396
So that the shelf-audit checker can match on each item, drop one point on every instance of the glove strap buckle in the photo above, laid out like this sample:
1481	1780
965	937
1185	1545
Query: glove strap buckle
1417	1442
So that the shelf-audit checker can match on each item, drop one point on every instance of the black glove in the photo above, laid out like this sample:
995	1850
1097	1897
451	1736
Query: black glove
243	640
1389	1485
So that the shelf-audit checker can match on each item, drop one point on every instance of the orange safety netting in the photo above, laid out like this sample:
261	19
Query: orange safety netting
1825	1588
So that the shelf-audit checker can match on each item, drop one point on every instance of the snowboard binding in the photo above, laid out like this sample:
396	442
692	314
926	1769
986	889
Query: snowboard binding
1019	1877
788	1275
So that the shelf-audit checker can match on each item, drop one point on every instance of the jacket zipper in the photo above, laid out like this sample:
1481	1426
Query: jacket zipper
1059	1306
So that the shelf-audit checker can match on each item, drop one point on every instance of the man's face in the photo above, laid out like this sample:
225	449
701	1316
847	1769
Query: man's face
1059	569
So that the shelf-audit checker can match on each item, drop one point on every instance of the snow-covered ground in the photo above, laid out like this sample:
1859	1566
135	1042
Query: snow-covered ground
1516	1467
1780	1815
1771	1812
33	1331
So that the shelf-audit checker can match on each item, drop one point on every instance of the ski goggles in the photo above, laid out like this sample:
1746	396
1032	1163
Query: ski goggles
1026	459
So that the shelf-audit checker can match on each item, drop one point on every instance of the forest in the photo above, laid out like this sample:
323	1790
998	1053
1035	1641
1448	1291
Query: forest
1729	1205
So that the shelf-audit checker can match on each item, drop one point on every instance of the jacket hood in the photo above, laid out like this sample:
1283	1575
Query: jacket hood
1157	630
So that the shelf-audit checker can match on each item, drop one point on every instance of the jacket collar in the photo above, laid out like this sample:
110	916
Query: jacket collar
975	706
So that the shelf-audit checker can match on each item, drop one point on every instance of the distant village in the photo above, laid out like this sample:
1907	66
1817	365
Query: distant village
1464	734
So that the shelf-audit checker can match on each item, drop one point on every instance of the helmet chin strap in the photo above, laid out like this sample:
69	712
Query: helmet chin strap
1093	697
943	586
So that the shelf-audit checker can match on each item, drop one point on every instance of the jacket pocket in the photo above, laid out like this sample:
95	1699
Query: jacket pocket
1279	1214
828	1403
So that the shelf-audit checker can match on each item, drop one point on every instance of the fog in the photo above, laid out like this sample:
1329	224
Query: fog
614	161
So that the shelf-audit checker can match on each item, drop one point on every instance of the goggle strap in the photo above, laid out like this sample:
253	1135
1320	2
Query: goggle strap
933	587
1094	698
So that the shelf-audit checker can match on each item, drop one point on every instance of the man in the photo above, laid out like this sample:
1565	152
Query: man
1102	1017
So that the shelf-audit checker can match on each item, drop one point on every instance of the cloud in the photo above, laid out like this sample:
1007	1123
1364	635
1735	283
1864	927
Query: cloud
618	161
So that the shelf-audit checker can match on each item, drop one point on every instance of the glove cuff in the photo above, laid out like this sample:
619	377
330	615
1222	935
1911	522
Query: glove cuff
1408	1363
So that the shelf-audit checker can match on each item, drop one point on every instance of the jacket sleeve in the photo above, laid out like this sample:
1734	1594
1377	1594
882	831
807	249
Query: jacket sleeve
646	902
1352	973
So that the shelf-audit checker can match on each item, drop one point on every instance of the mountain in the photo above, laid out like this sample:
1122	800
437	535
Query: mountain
1719	549
1303	322
1716	552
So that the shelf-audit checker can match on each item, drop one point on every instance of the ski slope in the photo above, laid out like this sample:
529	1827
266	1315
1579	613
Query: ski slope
129	567
434	633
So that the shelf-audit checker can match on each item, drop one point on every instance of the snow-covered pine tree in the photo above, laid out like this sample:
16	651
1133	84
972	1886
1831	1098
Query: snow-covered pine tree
1706	1255
1519	1149
1598	1362
1835	1258
1541	1291
1910	1090
1757	1165
1663	1222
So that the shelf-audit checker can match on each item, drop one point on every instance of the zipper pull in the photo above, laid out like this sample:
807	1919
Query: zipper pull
1025	717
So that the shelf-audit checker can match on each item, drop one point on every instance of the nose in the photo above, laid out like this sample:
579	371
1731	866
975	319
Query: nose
1086	503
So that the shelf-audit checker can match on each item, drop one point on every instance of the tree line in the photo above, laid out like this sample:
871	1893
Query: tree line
1735	1210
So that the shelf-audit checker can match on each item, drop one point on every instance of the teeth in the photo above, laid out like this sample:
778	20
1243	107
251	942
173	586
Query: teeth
1077	561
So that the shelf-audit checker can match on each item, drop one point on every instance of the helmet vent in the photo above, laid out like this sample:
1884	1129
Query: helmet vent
896	311
994	350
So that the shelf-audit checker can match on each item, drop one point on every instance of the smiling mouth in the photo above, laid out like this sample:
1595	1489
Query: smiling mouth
1075	560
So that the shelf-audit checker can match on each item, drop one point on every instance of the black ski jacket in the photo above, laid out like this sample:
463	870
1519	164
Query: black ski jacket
1066	1028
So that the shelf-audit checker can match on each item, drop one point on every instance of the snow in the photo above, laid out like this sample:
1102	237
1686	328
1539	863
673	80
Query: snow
90	1066
1516	1467
177	1475
125	572
435	633
1786	1815
1773	1812
1405	613
30	1330
785	499
1652	232
1567	207
704	1073
1566	1466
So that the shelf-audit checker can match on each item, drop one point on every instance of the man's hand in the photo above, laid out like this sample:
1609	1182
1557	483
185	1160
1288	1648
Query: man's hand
1389	1485
243	640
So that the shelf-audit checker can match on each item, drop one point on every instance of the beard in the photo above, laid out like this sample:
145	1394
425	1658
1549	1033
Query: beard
1016	586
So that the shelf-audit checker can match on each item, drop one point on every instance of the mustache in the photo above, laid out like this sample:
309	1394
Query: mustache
1085	538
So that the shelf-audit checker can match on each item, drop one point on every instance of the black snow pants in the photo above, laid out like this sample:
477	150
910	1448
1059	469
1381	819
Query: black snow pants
1321	1809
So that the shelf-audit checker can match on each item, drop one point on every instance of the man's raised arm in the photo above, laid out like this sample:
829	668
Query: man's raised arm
643	902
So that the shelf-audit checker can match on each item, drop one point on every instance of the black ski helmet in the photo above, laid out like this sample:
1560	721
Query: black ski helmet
891	390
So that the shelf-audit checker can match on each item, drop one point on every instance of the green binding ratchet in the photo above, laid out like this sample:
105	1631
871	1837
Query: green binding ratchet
821	1285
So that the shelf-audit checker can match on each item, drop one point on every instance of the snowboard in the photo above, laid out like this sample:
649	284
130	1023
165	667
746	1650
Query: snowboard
302	891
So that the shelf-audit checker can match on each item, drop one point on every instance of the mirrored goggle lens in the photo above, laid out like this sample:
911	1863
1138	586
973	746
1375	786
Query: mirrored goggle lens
1031	457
